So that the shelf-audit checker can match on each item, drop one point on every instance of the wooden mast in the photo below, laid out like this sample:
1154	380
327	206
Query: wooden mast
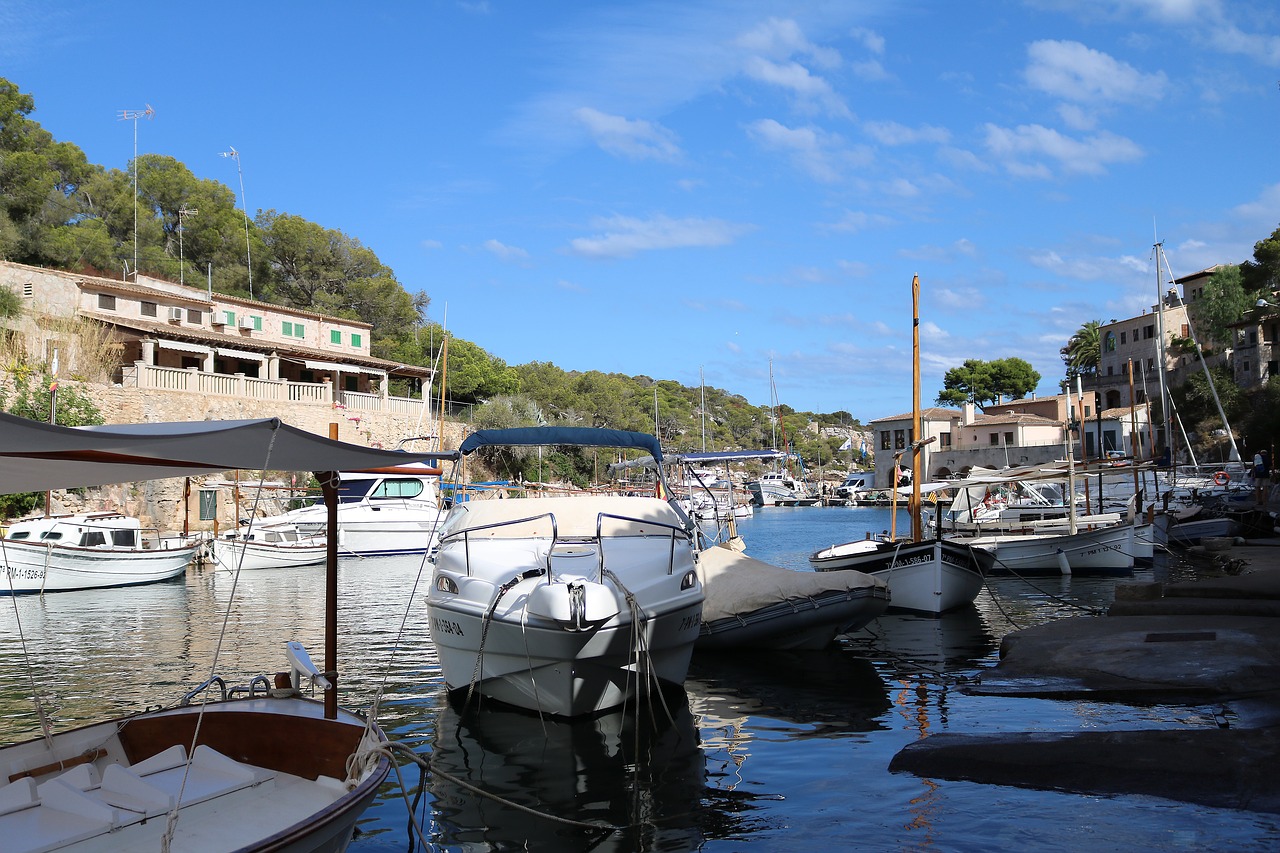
917	528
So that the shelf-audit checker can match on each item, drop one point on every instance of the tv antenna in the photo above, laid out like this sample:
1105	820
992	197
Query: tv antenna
133	116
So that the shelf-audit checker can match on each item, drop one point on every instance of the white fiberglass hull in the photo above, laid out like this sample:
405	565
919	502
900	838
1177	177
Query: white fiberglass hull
564	606
373	531
245	788
559	672
33	567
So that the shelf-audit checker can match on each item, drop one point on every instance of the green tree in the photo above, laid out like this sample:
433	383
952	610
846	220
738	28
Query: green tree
1083	352
1223	303
1262	274
74	408
1013	377
971	382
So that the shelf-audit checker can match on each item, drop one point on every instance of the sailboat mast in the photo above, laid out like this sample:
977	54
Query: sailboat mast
917	528
1166	416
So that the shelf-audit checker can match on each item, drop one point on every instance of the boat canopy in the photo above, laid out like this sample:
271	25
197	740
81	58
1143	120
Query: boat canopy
552	436
36	456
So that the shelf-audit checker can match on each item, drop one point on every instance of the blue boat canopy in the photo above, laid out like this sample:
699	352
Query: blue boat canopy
551	436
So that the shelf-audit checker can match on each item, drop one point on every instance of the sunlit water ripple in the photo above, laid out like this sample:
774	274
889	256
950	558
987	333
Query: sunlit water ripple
759	751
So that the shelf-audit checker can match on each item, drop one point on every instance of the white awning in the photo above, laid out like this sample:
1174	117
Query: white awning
183	346
343	368
329	365
247	356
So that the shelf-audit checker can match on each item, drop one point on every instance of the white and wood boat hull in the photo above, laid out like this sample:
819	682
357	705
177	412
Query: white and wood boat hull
929	577
34	567
1109	550
234	554
267	774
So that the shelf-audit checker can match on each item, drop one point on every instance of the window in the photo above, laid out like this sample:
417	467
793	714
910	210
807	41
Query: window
1086	411
1271	368
1008	439
149	309
1148	331
1151	365
229	317
397	489
995	439
28	290
1112	343
335	336
106	302
286	328
944	439
1186	330
899	439
885	441
194	317
208	504
257	323
1253	338
299	331
356	340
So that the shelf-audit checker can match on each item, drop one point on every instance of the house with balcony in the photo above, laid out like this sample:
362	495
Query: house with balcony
1256	350
182	339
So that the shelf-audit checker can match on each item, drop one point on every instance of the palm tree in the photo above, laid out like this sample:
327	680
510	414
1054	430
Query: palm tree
1083	352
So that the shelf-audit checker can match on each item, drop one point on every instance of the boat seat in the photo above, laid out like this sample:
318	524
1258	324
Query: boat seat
211	774
17	795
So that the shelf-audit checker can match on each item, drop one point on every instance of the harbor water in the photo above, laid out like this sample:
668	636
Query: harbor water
759	751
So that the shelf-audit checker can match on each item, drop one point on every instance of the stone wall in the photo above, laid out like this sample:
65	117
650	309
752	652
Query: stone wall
163	505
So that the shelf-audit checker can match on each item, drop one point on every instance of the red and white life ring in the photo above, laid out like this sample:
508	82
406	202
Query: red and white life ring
1221	478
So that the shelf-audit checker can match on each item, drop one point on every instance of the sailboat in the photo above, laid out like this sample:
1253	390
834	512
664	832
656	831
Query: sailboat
253	768
925	576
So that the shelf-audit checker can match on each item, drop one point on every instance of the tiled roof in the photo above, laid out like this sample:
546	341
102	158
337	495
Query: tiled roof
933	413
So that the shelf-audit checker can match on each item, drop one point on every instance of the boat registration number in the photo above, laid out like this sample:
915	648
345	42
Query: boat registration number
447	626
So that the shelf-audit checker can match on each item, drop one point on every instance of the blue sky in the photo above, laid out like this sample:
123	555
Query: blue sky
660	188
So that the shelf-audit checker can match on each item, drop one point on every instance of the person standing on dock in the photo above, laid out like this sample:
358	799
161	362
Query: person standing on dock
1261	475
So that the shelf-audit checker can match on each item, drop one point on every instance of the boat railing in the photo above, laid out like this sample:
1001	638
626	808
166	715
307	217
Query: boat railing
465	535
673	531
200	688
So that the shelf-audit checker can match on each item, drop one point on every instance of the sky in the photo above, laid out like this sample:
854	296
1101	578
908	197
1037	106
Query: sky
735	192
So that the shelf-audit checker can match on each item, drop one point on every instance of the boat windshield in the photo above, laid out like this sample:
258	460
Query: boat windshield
354	491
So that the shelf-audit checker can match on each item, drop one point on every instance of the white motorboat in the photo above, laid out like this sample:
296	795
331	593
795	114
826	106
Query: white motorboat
751	604
778	488
89	550
565	605
260	768
932	576
267	546
393	510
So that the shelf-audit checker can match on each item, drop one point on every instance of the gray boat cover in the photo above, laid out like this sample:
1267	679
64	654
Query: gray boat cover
735	584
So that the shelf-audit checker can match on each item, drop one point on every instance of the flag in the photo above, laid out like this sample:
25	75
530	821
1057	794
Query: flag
848	444
862	449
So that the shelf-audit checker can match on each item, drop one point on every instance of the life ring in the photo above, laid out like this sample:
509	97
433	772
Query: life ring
1221	478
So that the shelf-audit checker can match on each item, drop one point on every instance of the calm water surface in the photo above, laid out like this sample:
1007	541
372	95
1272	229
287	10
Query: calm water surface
758	752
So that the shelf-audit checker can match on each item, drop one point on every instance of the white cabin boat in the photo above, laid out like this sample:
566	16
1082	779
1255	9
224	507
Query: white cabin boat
932	577
394	510
87	551
564	605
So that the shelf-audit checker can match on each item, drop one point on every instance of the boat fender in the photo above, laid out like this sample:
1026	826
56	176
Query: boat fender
1221	478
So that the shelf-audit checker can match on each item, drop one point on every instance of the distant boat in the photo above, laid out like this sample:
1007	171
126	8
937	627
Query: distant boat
565	605
267	546
87	551
778	488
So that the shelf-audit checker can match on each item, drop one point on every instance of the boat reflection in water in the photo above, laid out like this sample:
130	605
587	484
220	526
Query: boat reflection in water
630	779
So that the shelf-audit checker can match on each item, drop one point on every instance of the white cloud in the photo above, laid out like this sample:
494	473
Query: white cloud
853	221
871	40
1075	72
634	139
572	287
892	133
822	155
505	252
1261	210
431	245
773	47
1021	149
782	38
795	78
1257	46
624	236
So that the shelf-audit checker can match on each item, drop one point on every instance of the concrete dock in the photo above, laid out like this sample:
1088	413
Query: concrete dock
1212	641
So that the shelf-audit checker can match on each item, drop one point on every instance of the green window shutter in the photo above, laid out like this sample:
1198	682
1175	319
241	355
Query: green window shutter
208	504
356	340
286	328
335	337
